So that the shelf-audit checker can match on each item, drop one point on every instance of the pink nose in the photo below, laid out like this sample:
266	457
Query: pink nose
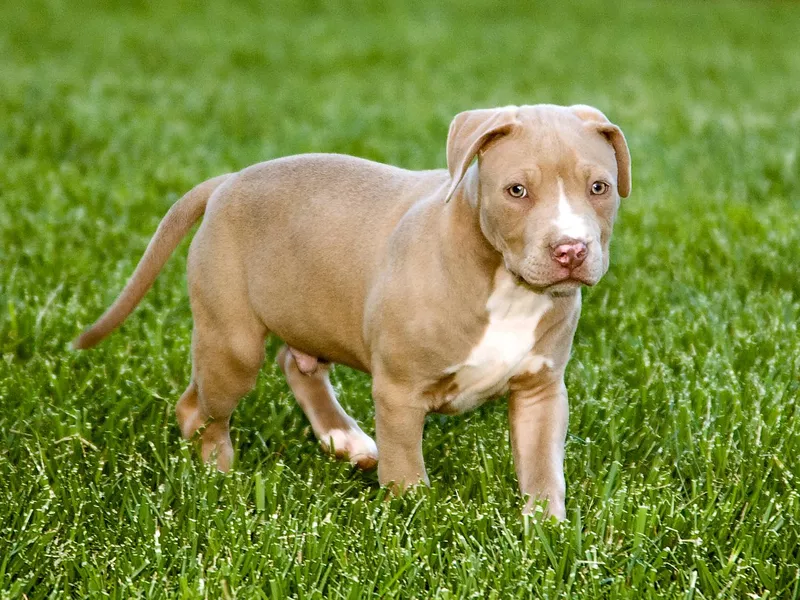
569	253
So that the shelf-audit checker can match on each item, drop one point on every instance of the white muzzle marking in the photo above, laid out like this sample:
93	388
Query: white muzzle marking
568	223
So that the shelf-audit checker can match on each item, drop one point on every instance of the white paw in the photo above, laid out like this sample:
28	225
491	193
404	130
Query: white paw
352	444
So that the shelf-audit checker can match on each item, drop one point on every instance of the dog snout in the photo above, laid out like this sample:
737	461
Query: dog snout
569	253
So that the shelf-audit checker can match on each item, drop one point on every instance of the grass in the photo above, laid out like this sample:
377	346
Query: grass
682	457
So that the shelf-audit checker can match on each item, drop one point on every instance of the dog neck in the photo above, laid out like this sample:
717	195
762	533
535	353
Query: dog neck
463	239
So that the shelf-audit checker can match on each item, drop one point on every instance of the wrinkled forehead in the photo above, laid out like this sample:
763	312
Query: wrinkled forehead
550	138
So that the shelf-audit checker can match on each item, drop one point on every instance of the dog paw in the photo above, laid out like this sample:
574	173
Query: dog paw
351	444
550	507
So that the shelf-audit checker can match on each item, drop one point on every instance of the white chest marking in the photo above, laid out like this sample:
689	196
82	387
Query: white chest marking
506	345
567	222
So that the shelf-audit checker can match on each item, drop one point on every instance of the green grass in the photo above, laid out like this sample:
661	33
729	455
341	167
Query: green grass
682	458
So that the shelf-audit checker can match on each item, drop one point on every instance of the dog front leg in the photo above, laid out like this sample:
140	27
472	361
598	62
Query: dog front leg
398	433
538	419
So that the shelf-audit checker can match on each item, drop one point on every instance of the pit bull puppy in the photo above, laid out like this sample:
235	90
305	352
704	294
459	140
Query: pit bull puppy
449	286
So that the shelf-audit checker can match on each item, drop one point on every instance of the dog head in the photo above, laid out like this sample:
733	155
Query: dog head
546	185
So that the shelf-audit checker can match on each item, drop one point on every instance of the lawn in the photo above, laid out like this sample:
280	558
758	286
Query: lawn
682	457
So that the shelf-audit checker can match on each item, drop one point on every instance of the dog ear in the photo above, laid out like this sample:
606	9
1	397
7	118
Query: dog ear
600	123
469	132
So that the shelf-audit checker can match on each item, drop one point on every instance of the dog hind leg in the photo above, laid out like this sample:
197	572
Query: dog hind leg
335	429
226	362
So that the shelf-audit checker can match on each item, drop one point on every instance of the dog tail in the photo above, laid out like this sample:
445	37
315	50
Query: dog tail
172	229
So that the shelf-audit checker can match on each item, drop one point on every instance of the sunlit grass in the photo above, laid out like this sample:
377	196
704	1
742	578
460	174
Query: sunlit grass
682	457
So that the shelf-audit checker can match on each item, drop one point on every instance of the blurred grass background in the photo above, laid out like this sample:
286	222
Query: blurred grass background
682	463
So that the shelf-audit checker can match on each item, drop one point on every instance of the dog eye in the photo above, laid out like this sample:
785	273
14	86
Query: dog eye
517	191
599	188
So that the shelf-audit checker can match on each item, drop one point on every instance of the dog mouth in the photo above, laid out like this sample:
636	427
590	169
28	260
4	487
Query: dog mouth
577	280
564	286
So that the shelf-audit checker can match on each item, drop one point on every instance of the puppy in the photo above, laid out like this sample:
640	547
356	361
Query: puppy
449	286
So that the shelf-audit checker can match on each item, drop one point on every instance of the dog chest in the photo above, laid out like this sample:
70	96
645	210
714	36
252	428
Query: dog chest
506	348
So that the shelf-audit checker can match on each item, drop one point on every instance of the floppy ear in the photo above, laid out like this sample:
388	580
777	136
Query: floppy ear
469	132
600	123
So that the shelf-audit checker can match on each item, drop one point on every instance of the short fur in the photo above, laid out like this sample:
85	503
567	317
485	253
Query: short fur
439	283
